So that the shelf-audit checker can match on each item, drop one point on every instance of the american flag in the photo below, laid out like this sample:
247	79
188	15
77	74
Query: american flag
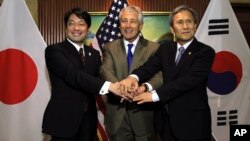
109	29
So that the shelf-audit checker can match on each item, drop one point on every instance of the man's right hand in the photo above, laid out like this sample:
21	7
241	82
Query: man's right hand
114	89
128	86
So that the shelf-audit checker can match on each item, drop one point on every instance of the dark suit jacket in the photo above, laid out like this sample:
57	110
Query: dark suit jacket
114	69
183	94
73	87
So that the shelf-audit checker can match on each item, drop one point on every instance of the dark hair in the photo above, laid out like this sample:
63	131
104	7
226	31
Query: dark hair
183	8
80	13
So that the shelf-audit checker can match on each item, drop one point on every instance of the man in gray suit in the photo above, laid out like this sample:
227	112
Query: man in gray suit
127	121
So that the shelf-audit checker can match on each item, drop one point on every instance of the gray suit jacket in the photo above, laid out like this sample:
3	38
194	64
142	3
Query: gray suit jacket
114	69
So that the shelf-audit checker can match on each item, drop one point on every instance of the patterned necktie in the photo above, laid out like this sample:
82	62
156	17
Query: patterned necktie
82	56
181	50
129	55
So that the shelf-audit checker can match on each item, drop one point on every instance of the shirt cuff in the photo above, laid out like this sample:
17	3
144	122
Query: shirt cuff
105	88
135	76
150	88
155	96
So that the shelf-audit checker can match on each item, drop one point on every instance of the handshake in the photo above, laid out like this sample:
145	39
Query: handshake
128	89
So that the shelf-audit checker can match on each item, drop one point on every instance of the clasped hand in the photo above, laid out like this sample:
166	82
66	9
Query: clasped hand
129	90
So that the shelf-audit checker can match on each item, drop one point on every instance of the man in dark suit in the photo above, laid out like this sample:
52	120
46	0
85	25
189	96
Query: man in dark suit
184	113
128	121
71	112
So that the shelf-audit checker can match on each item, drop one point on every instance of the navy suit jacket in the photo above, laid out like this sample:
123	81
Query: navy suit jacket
73	86
183	95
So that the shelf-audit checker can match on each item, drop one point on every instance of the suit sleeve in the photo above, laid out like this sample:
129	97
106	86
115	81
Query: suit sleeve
148	71
58	64
157	80
193	75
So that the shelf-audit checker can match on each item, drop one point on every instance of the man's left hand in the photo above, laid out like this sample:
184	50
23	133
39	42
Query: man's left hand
143	98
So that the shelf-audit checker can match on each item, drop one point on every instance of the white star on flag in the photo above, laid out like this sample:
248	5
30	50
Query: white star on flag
112	19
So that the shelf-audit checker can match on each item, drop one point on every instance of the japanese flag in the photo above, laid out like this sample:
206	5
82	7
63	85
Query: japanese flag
24	87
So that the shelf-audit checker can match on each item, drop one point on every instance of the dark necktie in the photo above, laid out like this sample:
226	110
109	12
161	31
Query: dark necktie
129	55
82	56
181	50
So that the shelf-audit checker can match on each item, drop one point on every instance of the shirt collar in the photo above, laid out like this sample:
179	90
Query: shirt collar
185	45
76	45
134	42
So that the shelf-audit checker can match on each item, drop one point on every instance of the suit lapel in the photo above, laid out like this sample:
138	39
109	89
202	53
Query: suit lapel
71	53
87	53
188	52
138	53
170	59
119	49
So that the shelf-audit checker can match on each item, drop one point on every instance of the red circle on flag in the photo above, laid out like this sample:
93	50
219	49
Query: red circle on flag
18	77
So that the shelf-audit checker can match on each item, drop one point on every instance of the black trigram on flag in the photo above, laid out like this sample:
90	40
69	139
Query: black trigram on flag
224	117
218	26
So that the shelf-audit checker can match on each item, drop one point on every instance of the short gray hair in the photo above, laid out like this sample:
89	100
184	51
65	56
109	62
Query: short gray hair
133	8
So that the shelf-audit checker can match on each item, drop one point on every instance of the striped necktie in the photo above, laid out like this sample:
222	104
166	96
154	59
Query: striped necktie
181	50
82	56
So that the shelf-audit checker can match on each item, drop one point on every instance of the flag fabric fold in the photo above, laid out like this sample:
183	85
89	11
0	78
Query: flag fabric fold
228	82
24	87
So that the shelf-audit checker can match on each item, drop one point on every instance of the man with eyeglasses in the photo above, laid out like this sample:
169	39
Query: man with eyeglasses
127	121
